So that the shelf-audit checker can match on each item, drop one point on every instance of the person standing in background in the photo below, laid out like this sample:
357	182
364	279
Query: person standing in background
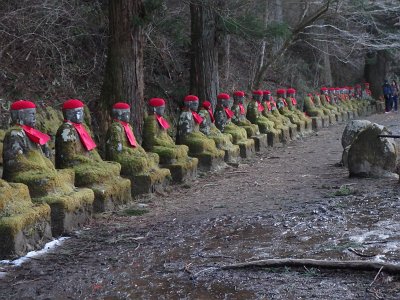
395	94
387	93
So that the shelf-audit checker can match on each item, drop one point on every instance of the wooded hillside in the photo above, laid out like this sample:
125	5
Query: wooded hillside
57	49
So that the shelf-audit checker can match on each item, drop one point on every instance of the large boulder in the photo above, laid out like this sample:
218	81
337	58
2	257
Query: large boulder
371	156
353	128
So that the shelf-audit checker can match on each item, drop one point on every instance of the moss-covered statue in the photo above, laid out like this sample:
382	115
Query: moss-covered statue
189	134
223	120
156	139
272	113
137	165
223	141
255	116
281	106
289	109
26	162
239	118
300	115
76	149
310	107
24	226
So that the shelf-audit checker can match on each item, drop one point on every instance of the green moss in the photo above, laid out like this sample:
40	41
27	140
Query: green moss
13	217
93	172
69	202
310	108
48	120
134	161
113	188
135	212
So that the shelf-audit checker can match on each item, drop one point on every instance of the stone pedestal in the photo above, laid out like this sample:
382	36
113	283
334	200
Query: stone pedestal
332	119
345	116
325	121
183	171
24	226
316	123
261	141
247	148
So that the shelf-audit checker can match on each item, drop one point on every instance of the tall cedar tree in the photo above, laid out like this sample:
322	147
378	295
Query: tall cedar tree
123	80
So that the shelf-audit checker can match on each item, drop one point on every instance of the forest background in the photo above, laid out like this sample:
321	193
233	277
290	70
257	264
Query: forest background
122	50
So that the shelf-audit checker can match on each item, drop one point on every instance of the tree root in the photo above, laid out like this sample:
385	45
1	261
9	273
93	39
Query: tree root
315	263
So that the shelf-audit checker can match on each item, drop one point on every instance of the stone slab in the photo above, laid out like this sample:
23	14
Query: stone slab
316	123
260	141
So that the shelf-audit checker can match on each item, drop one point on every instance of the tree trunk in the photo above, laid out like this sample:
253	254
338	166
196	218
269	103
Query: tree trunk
123	80
204	79
375	71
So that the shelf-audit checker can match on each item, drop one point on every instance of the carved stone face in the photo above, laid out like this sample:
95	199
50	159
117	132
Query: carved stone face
225	103
121	114
74	115
266	97
257	97
24	117
192	105
238	99
159	110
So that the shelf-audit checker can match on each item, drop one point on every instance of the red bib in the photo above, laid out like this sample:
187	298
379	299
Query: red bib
312	100
163	123
197	117
260	107
242	110
84	136
211	115
294	102
35	135
284	102
129	133
269	105
229	113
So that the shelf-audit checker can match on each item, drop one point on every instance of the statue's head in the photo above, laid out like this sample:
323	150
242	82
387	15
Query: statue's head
207	105
266	95
291	92
324	91
224	100
157	106
23	112
331	91
121	111
257	95
191	102
280	93
238	97
73	111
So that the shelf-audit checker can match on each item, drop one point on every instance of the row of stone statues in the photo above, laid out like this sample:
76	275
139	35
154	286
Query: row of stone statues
39	199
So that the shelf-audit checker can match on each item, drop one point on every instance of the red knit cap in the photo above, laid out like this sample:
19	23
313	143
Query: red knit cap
22	104
324	89
358	85
309	94
156	102
337	89
121	105
239	93
258	92
72	103
280	92
291	91
366	84
331	89
350	88
206	104
267	92
223	96
190	98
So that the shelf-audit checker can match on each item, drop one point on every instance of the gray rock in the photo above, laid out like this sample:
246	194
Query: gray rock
353	128
371	156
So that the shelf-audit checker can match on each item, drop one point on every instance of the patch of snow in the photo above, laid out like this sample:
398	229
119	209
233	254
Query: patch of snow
50	245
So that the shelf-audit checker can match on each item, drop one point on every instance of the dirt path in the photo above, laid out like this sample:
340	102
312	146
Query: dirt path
287	202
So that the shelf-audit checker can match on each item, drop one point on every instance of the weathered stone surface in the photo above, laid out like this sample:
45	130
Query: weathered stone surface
2	134
139	167
371	156
23	226
90	171
26	163
316	123
174	157
351	130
